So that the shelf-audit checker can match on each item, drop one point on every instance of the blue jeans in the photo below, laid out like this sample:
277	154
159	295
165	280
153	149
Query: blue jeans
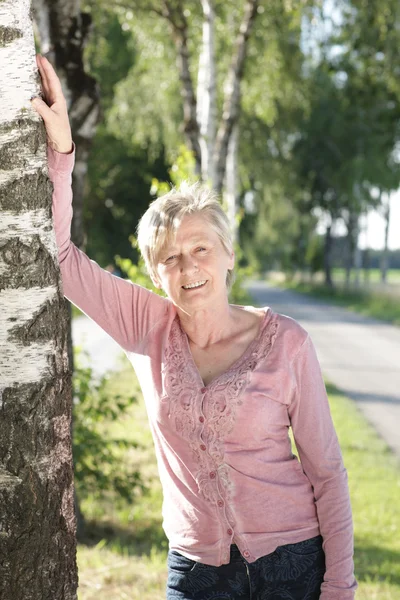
292	572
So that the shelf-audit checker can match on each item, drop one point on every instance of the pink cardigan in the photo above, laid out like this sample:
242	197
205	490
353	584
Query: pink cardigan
223	451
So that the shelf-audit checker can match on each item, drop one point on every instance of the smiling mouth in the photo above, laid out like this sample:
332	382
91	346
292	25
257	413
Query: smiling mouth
194	286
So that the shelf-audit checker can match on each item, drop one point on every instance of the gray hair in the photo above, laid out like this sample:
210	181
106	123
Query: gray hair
159	224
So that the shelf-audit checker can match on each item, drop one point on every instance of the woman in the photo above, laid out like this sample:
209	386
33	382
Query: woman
222	384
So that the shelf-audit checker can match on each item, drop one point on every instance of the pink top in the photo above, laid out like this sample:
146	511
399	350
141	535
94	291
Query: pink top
223	451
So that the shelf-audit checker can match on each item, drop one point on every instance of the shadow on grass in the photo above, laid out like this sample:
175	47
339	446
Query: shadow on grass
138	539
374	563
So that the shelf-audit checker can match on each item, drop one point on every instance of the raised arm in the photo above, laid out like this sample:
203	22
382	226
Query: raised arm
124	310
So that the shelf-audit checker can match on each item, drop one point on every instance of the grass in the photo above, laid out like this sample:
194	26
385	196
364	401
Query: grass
372	304
393	276
124	554
76	312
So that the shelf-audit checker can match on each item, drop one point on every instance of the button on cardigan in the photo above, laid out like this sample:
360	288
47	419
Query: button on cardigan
223	451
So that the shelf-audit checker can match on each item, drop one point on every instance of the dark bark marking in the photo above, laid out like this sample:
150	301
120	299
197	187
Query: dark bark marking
27	414
25	438
43	326
39	268
27	193
10	154
8	35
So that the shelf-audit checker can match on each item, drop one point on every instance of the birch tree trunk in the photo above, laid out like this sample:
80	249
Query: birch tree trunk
357	260
176	18
328	256
231	108
206	95
37	522
231	188
351	242
385	252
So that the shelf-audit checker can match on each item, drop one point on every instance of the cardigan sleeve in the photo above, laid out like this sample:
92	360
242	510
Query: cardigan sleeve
322	462
126	311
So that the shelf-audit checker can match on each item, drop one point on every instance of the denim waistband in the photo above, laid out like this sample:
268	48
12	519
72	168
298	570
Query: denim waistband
235	552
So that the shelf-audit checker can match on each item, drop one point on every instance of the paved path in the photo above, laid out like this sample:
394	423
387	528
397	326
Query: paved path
104	352
361	356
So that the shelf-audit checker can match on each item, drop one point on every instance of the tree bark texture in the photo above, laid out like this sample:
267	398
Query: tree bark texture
328	256
351	241
37	521
207	94
231	108
384	262
231	187
179	29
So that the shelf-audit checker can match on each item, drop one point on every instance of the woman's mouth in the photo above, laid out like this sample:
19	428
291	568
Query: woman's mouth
195	285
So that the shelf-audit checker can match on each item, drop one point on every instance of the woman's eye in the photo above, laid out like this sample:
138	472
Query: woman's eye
170	258
201	249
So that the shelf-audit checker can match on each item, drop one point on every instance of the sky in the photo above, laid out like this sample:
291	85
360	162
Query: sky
375	230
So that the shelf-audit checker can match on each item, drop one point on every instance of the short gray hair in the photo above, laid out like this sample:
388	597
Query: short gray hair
161	220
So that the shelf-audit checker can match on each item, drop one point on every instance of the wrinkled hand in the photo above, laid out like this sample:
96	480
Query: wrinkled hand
53	108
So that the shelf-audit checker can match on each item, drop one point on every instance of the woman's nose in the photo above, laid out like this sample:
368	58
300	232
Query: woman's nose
188	263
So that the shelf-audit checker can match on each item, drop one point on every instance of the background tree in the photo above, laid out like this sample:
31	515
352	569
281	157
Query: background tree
370	38
349	135
37	522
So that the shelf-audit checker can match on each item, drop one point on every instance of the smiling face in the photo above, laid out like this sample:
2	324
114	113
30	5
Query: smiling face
192	269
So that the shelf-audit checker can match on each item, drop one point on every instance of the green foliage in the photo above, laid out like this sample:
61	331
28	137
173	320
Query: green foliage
238	293
182	169
137	273
317	131
100	468
119	172
315	254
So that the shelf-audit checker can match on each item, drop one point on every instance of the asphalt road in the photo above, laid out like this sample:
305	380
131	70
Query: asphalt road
359	355
103	352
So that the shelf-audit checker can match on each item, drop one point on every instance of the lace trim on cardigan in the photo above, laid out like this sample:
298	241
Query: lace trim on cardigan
182	385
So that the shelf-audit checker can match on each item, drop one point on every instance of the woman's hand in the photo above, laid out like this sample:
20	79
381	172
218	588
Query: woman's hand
53	109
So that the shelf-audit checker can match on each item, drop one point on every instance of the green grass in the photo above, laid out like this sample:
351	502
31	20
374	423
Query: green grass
393	276
124	555
372	304
76	312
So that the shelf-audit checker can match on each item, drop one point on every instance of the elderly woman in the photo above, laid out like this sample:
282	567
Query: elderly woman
222	384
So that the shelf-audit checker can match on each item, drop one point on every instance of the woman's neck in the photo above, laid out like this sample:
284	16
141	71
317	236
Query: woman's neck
206	327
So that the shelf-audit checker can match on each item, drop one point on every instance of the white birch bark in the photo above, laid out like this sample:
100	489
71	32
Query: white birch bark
18	84
231	187
357	257
36	483
385	252
231	108
206	94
